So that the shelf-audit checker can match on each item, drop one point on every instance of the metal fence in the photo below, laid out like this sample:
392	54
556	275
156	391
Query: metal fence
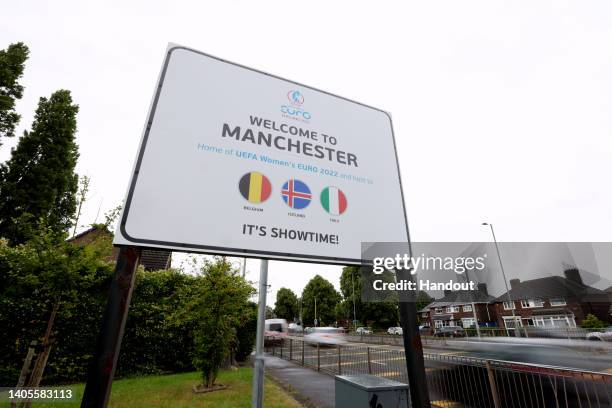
455	381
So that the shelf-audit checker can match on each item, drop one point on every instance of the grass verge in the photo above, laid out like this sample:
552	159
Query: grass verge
175	391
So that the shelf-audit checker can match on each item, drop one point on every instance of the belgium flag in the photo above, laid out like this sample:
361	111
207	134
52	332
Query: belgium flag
255	187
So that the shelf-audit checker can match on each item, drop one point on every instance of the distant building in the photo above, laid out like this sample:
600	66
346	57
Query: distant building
456	308
555	301
150	259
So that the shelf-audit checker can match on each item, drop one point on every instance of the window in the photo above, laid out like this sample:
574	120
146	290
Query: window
425	314
452	309
438	323
509	306
528	303
557	301
438	310
467	308
468	322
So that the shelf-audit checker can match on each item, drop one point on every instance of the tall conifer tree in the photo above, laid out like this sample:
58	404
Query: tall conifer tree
12	63
38	182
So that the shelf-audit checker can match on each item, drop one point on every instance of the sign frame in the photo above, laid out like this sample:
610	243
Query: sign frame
226	251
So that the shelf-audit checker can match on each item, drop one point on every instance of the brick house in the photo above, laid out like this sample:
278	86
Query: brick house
459	308
150	259
554	301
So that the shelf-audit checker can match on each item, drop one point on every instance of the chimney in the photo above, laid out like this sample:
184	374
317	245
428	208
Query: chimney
447	292
573	274
514	283
482	288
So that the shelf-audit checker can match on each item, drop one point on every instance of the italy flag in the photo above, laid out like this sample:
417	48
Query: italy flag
333	200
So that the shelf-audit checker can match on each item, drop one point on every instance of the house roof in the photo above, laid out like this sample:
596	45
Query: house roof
150	259
552	286
460	297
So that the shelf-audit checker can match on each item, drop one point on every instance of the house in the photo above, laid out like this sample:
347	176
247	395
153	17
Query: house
554	301
150	259
459	308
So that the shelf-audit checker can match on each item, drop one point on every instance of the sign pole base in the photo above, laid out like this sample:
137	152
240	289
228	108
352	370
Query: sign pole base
413	348
258	370
104	362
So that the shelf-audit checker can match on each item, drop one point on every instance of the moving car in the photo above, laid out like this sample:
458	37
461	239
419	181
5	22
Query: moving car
295	328
605	335
449	331
395	330
275	329
363	330
325	335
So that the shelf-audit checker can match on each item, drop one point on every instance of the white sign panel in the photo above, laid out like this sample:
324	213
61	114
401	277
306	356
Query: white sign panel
237	161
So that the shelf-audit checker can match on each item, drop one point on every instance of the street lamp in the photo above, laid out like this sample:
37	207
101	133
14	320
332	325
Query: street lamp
505	280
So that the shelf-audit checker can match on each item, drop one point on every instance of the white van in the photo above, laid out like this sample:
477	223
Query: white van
275	329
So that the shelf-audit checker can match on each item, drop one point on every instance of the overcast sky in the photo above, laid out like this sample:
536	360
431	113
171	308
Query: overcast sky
502	110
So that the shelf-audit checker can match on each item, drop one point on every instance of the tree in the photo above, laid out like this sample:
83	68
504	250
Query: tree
38	182
81	198
217	304
12	63
326	299
380	312
43	278
592	322
286	306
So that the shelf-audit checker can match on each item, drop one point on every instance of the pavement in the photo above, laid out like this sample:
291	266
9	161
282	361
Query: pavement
311	388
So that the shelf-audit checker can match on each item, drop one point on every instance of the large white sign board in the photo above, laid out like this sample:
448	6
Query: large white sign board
239	162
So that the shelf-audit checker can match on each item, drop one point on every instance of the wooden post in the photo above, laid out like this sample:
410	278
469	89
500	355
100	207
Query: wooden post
104	362
318	358
493	385
290	349
369	362
339	360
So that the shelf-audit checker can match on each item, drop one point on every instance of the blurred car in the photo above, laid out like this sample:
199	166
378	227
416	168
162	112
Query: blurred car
449	331
275	329
325	335
605	335
363	330
395	330
295	328
424	329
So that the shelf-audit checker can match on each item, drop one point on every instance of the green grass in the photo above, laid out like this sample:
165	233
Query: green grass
175	391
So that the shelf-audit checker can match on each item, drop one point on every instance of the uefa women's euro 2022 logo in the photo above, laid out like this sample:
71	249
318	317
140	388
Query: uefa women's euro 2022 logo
294	110
296	98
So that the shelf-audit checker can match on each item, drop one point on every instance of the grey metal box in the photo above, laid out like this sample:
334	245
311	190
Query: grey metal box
369	391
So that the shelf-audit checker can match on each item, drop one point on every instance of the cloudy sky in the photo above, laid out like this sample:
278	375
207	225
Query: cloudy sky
502	110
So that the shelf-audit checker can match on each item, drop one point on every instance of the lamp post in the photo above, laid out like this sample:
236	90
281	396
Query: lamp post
505	280
316	322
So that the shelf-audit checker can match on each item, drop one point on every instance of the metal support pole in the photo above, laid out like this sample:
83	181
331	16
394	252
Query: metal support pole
475	319
413	348
258	371
501	265
104	362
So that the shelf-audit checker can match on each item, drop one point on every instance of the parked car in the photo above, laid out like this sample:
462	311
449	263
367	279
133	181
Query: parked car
424	329
325	335
605	335
449	331
395	330
363	330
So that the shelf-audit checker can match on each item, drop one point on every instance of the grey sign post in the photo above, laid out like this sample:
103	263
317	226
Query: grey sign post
258	372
